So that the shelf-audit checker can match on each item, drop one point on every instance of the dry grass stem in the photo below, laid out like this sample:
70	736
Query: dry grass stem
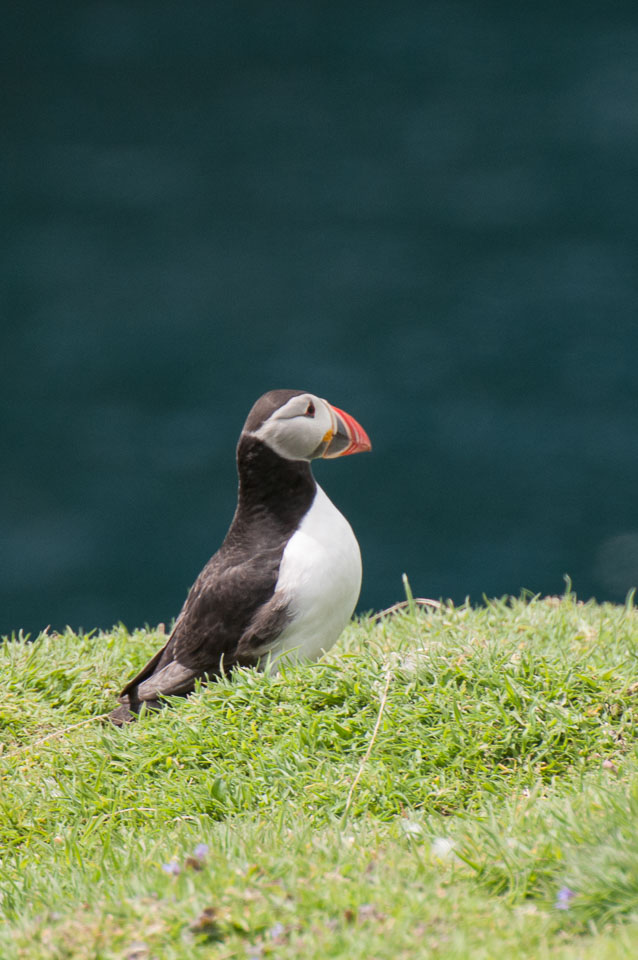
52	736
384	697
421	601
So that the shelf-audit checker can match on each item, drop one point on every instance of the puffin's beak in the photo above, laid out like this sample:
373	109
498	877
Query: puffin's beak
347	436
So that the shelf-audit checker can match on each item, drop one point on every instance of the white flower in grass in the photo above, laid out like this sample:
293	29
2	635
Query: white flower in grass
412	828
443	848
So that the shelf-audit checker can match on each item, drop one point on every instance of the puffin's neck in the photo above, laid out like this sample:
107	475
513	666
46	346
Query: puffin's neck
270	485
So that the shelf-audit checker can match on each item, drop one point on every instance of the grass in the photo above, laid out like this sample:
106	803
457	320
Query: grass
446	783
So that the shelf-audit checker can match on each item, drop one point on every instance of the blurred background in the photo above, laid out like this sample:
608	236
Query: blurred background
423	211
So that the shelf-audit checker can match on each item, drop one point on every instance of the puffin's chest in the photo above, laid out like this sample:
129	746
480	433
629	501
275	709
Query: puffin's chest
320	576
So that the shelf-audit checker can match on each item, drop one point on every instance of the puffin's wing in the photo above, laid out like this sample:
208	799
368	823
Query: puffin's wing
172	680
169	676
194	649
267	624
227	602
161	675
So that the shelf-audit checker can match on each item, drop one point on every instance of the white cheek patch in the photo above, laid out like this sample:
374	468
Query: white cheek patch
282	440
296	437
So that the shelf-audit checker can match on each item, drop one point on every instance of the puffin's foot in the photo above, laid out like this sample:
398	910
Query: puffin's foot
121	715
127	712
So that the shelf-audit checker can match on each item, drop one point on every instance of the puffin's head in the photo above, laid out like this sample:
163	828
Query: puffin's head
301	426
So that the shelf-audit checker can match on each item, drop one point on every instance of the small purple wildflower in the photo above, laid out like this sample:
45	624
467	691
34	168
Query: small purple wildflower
564	897
276	931
173	868
201	851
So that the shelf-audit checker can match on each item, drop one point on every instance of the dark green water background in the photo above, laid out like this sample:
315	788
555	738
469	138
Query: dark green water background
425	212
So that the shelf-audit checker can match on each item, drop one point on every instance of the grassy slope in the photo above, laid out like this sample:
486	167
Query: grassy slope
503	772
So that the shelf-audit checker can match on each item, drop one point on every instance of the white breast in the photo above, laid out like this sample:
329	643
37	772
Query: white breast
320	576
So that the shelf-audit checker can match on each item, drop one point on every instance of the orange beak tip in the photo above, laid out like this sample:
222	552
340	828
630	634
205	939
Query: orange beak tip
359	439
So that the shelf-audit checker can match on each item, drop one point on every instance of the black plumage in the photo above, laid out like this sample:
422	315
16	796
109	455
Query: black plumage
231	615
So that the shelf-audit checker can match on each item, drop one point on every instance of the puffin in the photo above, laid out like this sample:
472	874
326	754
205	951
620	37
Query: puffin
287	577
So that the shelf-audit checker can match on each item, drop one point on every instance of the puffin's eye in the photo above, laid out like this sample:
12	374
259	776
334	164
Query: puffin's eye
310	412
